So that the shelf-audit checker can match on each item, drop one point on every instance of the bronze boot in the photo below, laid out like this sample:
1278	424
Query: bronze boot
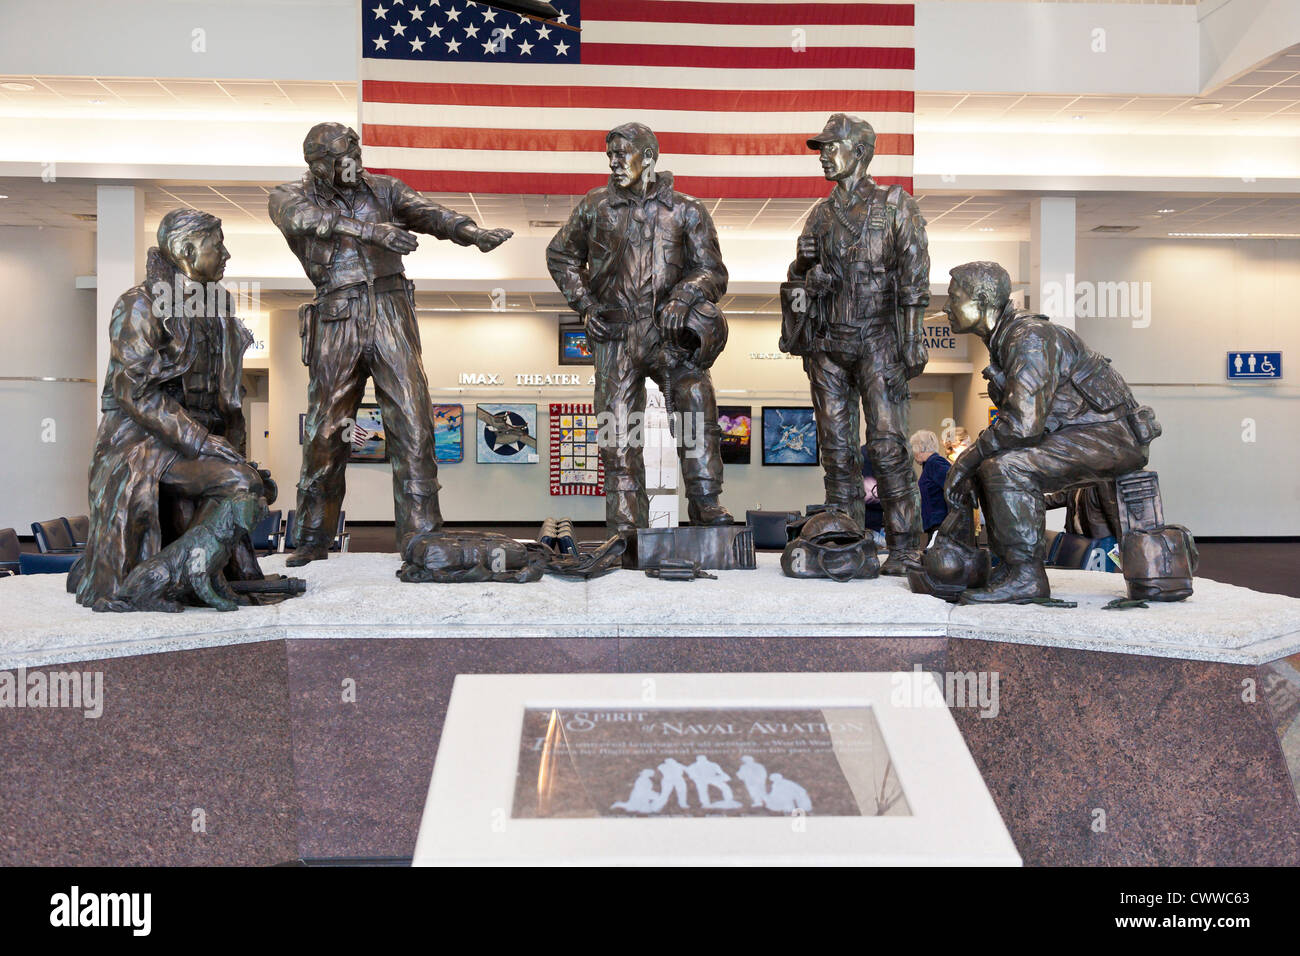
706	510
904	553
1018	584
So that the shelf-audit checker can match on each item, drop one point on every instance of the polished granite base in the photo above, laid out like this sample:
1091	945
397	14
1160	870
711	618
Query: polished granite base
322	749
358	595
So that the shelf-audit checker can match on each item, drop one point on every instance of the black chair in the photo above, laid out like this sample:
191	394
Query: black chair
769	527
54	562
79	528
289	542
53	536
10	551
341	537
266	536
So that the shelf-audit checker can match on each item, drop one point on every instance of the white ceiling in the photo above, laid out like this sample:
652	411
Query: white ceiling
949	214
1265	100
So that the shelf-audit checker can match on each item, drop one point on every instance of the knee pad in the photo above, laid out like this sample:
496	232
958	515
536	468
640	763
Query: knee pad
888	455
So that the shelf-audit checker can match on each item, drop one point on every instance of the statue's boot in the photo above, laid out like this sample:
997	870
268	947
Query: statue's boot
706	510
1016	518
306	554
904	552
1019	584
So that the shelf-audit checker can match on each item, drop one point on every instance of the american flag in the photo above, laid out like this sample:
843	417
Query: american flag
459	97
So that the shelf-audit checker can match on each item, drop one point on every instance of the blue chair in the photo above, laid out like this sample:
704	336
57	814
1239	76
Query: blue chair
79	528
53	536
49	563
341	537
289	542
10	552
266	536
769	528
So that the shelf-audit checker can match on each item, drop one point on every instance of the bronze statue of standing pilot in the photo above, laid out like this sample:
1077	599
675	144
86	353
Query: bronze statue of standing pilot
640	263
350	229
853	310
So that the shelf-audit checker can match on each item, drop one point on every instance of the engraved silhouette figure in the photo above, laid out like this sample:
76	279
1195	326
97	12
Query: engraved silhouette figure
754	776
644	797
785	796
671	781
705	774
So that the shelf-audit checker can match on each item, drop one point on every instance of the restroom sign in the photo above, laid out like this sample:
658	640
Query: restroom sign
1243	366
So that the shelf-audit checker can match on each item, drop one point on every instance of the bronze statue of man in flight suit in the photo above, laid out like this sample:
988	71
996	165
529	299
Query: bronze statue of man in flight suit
865	271
1065	419
350	229
640	263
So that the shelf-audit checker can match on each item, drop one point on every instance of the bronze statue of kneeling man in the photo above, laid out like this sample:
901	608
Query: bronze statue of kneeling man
172	496
1065	419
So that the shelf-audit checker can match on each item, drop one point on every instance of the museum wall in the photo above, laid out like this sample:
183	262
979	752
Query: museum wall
1220	474
509	345
48	330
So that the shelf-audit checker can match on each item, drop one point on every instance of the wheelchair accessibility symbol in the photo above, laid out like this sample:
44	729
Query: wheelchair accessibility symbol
1254	365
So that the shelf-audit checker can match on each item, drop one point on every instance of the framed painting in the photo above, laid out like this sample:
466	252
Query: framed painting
369	442
737	423
575	452
506	434
448	433
574	347
789	435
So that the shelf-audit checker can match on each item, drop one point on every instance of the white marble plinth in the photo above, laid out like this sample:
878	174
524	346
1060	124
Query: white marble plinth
359	595
948	819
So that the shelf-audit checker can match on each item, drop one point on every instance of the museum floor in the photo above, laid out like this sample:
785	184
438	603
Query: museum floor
1187	766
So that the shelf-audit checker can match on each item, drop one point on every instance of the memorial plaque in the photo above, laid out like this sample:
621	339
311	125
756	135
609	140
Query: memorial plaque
706	769
709	762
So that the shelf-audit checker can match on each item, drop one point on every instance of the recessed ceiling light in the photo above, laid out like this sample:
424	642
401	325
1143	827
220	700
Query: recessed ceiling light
986	228
96	102
17	87
1206	107
4	197
1163	211
1077	116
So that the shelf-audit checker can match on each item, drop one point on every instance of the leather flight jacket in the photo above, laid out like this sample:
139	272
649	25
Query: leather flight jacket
308	210
625	255
1042	378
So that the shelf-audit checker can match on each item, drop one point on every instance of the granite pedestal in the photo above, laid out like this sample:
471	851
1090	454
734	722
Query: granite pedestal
309	729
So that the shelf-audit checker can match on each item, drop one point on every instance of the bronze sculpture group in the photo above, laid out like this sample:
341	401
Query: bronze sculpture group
174	499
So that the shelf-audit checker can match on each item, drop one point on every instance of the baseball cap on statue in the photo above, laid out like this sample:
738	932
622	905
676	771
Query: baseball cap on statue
843	126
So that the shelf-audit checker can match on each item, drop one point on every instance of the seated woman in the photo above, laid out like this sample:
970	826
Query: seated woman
927	453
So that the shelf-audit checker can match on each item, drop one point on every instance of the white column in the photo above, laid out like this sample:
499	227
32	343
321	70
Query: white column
1051	275
119	261
1051	257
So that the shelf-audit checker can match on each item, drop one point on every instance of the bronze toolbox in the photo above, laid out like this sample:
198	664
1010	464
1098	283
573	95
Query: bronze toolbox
711	548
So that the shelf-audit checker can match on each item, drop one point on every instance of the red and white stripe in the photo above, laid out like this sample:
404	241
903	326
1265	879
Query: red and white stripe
732	106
